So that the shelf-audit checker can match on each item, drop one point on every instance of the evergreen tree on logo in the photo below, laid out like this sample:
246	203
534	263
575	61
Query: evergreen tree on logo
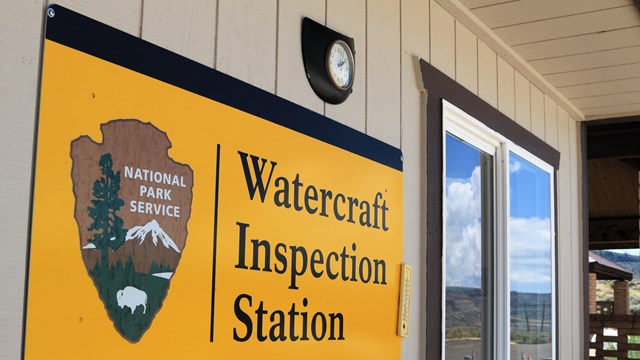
110	232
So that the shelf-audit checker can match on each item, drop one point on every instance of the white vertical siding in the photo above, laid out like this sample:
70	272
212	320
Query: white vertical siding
292	83
575	161
523	101
247	41
383	70
20	29
550	122
350	18
414	39
121	14
566	300
259	42
537	112
187	27
443	40
466	58
487	74
506	88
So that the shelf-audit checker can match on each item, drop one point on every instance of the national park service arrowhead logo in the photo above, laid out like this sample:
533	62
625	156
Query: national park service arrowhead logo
132	206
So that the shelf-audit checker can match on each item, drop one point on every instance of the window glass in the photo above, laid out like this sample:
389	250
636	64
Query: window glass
468	259
530	260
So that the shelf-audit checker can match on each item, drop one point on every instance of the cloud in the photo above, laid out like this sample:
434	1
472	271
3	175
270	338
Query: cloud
515	166
464	232
530	254
529	239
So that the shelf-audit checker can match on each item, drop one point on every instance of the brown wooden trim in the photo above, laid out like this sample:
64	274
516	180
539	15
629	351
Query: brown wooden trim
613	140
434	227
608	273
613	233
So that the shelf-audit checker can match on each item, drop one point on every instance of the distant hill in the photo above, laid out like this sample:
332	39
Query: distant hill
528	310
465	307
627	261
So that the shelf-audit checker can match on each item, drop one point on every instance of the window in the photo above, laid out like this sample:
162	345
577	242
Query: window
498	265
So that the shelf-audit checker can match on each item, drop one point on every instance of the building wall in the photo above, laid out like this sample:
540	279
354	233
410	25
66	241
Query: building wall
259	42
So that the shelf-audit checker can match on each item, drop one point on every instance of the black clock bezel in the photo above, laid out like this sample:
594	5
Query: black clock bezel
316	39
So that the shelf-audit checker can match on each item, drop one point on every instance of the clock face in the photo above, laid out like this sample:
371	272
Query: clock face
340	65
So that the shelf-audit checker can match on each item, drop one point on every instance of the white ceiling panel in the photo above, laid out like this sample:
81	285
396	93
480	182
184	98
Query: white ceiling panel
474	4
572	25
587	61
580	44
526	11
612	112
594	102
594	75
603	88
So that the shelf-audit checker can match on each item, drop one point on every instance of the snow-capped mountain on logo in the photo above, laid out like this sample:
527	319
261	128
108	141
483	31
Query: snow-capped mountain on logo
141	232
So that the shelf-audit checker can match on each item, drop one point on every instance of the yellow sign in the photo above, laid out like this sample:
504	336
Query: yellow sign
172	224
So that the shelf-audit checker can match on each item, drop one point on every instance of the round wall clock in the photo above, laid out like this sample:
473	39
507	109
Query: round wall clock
340	65
329	61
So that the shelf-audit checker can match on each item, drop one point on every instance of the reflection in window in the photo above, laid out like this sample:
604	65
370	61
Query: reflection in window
468	252
530	259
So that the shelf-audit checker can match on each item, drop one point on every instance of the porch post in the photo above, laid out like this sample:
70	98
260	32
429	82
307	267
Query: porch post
593	281
621	297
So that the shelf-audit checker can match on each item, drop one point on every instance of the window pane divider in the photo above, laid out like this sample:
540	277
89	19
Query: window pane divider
503	307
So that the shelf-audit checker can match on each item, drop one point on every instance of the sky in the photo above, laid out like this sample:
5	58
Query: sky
635	252
530	225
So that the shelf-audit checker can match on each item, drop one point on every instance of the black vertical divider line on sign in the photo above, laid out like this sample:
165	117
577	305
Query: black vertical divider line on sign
215	243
